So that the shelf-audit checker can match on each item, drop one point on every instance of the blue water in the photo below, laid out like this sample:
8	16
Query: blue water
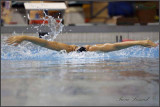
44	77
33	52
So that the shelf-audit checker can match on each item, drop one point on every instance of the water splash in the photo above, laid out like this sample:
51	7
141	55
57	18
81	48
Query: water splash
33	52
55	26
28	50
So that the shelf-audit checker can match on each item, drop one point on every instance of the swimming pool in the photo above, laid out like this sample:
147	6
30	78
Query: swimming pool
31	75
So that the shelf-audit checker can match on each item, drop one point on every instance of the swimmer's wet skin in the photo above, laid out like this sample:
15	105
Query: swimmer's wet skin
107	47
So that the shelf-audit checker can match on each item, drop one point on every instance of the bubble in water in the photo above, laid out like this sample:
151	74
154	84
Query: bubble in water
14	33
36	26
28	16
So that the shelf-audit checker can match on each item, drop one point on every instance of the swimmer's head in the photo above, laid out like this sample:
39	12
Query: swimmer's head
81	49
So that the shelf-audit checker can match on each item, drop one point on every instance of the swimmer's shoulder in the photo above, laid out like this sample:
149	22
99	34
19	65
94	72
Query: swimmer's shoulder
74	47
87	47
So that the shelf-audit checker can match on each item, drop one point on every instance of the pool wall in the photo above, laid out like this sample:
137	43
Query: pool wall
90	38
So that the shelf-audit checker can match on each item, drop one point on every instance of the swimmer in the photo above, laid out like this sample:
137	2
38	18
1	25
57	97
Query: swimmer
53	45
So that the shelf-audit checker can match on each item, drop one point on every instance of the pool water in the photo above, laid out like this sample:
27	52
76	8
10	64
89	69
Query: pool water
31	75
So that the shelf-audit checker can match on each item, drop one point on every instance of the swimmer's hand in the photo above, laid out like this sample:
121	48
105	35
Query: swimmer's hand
15	40
149	43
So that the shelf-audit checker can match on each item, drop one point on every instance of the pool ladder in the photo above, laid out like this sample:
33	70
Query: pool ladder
117	40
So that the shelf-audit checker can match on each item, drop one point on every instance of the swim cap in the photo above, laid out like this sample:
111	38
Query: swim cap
81	49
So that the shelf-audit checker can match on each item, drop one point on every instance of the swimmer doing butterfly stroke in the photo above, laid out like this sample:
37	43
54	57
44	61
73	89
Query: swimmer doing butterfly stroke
53	45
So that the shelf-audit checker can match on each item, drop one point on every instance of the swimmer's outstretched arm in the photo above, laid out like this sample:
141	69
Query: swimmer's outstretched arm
120	45
41	42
